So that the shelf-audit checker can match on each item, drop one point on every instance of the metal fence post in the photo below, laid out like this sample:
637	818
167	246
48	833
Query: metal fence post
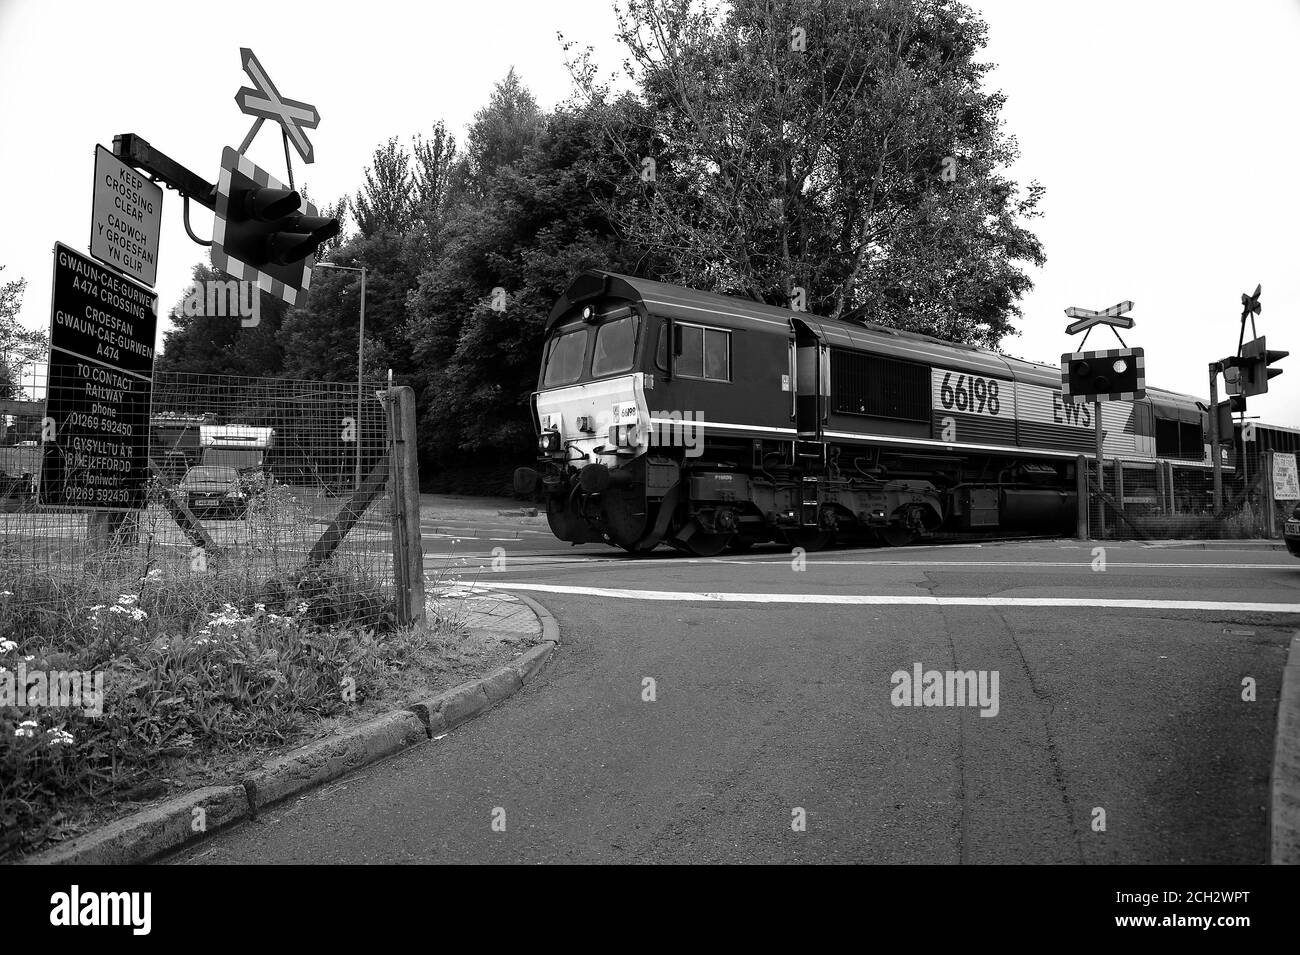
1119	484
408	555
1270	505
1081	491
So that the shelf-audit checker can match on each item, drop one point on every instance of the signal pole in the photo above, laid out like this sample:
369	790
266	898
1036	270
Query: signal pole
1101	475
1215	453
1118	376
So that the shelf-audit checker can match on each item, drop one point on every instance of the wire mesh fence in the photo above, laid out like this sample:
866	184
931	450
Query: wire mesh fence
1149	500
255	491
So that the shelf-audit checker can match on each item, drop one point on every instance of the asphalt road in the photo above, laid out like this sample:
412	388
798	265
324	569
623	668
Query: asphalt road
775	698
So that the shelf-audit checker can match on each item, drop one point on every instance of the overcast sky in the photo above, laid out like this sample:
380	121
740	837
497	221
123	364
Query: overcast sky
1166	133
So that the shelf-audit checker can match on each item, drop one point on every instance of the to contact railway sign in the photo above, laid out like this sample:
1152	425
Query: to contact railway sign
95	433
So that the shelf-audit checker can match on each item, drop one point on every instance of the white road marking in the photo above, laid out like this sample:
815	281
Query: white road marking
782	560
1107	603
1081	563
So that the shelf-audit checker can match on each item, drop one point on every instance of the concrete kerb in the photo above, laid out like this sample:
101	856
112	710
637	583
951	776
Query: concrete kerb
189	817
1284	802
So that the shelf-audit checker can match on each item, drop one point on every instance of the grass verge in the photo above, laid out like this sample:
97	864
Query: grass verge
178	682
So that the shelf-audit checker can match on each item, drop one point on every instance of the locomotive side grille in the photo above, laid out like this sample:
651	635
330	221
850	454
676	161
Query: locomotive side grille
881	387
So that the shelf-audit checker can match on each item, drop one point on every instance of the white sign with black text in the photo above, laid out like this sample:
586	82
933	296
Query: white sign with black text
1286	481
126	218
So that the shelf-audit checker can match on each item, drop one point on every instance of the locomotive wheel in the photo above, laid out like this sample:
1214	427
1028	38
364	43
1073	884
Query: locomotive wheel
809	540
896	535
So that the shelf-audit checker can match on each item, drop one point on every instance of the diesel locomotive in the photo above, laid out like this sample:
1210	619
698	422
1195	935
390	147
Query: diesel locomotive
666	415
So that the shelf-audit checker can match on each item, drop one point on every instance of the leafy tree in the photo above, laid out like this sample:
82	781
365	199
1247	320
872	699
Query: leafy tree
215	344
538	225
385	202
320	337
501	134
843	147
18	345
435	163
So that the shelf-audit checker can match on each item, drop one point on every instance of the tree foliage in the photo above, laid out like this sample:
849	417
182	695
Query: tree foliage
537	225
18	345
843	147
222	344
384	203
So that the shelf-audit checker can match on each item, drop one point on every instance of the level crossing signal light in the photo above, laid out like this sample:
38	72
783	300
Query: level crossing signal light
266	226
264	231
1254	364
1225	410
1118	374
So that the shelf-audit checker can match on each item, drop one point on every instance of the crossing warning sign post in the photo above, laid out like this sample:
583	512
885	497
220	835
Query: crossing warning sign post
1118	374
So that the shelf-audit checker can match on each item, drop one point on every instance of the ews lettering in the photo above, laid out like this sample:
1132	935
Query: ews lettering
1078	415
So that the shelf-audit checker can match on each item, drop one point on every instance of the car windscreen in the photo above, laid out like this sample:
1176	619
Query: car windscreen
615	344
564	357
211	475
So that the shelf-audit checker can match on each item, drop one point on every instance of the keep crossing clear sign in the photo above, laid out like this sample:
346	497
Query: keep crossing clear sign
126	218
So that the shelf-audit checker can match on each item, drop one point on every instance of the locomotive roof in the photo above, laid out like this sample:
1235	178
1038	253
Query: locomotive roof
689	305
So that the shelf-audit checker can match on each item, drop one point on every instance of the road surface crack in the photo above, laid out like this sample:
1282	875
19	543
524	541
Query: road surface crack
1053	755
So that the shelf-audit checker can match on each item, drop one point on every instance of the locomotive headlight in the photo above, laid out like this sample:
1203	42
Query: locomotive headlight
1120	366
548	441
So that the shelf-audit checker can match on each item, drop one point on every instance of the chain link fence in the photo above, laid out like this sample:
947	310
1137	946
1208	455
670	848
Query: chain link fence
1154	500
258	491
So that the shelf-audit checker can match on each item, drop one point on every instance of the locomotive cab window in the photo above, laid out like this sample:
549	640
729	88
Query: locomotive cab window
615	345
564	357
1179	439
702	352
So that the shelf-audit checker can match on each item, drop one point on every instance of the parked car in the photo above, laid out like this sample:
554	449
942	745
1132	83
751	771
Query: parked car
218	492
1291	532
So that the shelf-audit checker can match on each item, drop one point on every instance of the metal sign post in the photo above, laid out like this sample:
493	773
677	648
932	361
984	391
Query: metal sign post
1102	376
1216	452
1101	475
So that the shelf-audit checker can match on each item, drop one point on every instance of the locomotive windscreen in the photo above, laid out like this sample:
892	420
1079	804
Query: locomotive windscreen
615	342
564	358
